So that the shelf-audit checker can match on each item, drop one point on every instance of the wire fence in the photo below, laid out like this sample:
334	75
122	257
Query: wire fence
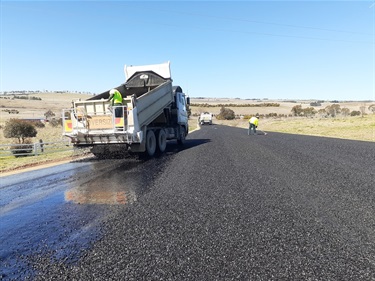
34	149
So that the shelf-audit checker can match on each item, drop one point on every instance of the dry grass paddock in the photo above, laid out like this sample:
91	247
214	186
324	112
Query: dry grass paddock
355	128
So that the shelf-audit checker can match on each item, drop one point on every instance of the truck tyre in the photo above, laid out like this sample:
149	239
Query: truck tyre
100	152
100	155
150	143
181	139
161	140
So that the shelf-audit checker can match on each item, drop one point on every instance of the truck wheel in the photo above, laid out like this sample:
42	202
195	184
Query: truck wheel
150	143
162	141
100	155
100	152
181	139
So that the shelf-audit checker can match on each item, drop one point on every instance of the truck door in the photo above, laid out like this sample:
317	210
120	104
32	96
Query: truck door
182	109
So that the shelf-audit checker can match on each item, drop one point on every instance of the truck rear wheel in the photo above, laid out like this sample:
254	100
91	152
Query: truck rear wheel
162	140
100	155
150	143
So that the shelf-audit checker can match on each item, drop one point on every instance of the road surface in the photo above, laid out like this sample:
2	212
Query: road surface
226	207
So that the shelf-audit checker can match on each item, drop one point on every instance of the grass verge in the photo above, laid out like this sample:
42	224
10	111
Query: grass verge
48	134
351	128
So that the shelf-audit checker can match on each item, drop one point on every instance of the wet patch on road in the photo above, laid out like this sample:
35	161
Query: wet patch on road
60	213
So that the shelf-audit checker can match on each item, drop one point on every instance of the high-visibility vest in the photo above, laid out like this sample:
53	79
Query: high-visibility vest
253	120
117	97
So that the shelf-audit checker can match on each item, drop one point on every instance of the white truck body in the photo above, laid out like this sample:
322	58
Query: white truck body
153	111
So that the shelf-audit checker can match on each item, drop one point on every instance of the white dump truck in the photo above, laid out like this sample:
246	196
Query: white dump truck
153	111
205	118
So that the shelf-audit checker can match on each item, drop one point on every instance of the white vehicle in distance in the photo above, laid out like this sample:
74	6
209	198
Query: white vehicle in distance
205	118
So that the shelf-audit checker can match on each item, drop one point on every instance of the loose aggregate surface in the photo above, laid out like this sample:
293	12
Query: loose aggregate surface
235	207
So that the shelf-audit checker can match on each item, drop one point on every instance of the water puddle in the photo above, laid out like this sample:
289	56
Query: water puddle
60	210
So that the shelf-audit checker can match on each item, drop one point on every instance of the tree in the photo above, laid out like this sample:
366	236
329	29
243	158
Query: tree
55	122
226	114
19	129
322	112
309	111
355	113
49	114
362	109
372	108
345	111
333	109
297	110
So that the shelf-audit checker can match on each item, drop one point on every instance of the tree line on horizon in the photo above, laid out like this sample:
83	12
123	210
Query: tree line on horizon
268	104
330	111
298	111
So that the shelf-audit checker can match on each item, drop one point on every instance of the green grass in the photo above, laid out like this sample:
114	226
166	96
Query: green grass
12	163
47	134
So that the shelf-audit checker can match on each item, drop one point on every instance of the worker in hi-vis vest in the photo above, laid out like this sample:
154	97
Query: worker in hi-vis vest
116	100
253	124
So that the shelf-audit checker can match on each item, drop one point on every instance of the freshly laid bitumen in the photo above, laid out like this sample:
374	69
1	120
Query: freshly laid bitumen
235	207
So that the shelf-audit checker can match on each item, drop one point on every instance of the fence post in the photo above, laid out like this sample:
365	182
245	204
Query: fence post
36	149
41	146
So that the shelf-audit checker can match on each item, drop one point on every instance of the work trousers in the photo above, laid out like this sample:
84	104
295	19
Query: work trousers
118	110
252	127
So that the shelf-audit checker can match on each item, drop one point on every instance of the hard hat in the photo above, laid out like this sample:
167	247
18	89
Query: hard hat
111	92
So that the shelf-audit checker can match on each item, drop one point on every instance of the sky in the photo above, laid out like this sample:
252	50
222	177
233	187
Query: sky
322	50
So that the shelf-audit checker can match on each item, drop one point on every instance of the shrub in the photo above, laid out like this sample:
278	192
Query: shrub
49	114
270	115
297	110
345	111
226	114
355	113
22	150
38	124
19	129
309	111
55	122
333	109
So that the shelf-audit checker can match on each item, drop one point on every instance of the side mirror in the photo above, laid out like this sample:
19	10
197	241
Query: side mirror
188	100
